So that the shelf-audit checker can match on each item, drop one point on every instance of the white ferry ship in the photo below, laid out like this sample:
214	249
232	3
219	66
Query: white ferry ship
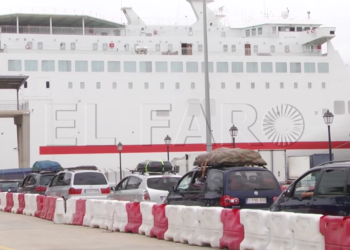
94	83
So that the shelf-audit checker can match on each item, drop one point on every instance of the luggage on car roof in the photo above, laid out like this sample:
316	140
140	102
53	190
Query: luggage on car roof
52	166
154	166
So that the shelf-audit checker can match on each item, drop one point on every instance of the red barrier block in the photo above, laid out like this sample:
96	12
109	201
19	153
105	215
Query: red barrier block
233	234
134	217
45	207
80	210
51	208
21	204
160	221
336	232
9	202
39	205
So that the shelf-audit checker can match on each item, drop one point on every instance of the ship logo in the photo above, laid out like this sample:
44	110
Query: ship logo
283	125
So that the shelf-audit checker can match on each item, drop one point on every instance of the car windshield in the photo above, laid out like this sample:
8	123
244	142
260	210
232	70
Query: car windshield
4	185
162	183
45	180
89	178
251	180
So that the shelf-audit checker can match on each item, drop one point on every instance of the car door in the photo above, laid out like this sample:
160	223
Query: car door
194	196
52	186
293	200
332	196
29	186
118	193
177	196
132	186
22	184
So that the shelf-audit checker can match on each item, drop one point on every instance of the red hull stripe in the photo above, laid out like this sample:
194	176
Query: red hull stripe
65	150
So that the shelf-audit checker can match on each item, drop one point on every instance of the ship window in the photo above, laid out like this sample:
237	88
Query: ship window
266	67
222	67
233	48
114	85
247	33
157	47
281	28
113	66
176	67
295	85
223	34
162	85
309	68
130	85
25	85
349	107
274	30
225	47
82	85
252	67
40	45
47	85
292	29
63	46
72	46
14	65
98	85
281	67
260	31
238	85
281	85
161	66
98	66
193	85
192	67
70	85
200	47
253	32
129	66
237	67
307	28
126	47
81	66
146	85
47	65
309	85
105	46
267	85
170	47
295	67
30	65
339	107
256	48
223	85
323	85
145	66
94	46
64	66
177	85
252	85
299	29
210	67
323	68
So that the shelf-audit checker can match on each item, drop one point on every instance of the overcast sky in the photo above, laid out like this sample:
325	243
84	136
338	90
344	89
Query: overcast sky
331	13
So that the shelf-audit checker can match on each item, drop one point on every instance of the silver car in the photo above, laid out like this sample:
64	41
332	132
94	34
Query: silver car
144	187
81	183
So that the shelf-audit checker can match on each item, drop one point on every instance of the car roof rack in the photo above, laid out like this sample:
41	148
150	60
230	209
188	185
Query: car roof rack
82	168
152	173
232	166
329	162
46	171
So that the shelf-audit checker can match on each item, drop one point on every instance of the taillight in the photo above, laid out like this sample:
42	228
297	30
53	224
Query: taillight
74	191
227	201
275	198
40	189
105	190
146	196
0	190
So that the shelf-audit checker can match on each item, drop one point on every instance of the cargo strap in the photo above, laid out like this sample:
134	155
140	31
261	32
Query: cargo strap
146	169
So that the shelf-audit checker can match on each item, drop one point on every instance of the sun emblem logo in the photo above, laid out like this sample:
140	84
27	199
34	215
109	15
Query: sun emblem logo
283	125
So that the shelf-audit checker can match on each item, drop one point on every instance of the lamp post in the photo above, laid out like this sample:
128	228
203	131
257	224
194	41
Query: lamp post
120	148
167	141
328	119
233	132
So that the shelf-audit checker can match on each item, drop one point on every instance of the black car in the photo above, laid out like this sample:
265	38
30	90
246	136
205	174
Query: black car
229	187
36	183
9	185
324	189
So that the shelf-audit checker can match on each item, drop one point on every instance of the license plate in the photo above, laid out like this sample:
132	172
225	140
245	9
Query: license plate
256	200
92	191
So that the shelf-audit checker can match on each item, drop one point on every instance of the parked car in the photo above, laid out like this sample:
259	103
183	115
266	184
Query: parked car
85	182
324	189
144	187
9	185
36	183
229	187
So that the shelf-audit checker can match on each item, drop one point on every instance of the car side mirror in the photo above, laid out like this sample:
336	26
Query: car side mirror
112	188
171	189
288	191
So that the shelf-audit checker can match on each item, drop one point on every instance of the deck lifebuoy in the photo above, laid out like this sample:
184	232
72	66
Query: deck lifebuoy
111	45
287	50
313	31
155	32
27	46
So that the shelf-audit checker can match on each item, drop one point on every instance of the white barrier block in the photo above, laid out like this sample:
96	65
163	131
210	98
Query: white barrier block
281	236
110	214
59	211
306	229
99	215
147	218
256	233
30	204
190	227
15	203
211	228
88	213
3	201
70	211
120	216
175	223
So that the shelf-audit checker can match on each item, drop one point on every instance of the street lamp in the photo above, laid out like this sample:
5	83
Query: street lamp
233	132
120	148
167	141
328	119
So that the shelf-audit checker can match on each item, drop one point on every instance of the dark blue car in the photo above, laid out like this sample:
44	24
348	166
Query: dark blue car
324	189
229	187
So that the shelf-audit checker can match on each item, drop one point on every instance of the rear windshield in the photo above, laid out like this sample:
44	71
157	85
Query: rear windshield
45	180
251	180
162	183
4	185
89	179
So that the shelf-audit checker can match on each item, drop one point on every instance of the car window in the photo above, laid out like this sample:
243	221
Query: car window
133	183
31	181
45	180
162	183
185	182
4	185
122	185
306	183
215	181
332	182
90	178
251	180
54	181
60	181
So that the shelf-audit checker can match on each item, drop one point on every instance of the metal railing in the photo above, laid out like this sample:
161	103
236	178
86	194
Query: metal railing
12	106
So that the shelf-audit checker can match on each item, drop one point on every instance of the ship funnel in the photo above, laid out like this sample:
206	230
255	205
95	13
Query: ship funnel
132	17
197	7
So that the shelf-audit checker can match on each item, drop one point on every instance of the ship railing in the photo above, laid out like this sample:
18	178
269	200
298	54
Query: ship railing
12	105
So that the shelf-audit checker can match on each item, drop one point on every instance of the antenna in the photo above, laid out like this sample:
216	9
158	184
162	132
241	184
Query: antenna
308	14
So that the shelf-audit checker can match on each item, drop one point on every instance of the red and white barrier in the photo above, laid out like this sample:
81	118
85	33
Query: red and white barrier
217	227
